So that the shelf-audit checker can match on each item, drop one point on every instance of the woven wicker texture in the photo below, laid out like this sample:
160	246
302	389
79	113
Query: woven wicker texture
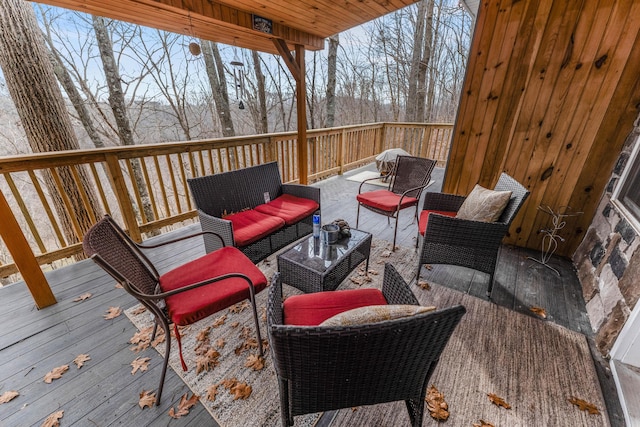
472	244
409	178
325	368
234	191
110	247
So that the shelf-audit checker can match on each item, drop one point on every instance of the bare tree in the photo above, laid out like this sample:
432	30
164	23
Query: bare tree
262	122
119	109
218	82
334	42
67	82
32	85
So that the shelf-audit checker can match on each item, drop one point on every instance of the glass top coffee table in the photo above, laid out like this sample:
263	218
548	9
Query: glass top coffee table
313	266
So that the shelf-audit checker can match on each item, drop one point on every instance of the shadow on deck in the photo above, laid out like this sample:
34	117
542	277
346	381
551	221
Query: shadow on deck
104	393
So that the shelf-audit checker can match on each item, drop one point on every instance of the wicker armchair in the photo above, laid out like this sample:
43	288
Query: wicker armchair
322	368
181	296
409	177
472	244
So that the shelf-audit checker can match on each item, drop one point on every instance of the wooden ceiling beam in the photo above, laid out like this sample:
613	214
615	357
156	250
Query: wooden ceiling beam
202	19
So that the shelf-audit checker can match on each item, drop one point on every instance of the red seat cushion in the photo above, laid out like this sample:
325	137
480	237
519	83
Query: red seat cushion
290	208
385	200
251	225
424	218
190	306
313	309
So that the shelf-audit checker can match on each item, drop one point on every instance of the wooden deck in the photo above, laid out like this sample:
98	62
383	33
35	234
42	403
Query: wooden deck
104	393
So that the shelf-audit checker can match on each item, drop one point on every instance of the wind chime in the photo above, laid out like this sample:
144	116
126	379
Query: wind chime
238	78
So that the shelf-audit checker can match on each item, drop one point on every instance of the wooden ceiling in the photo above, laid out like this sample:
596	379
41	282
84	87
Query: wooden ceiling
298	22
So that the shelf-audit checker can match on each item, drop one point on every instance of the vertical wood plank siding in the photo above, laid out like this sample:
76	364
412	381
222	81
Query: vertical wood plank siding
550	95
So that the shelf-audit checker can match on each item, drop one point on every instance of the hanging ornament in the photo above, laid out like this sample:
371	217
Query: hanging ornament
238	78
194	48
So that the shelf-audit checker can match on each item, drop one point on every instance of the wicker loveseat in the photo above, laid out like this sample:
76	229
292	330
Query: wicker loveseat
253	210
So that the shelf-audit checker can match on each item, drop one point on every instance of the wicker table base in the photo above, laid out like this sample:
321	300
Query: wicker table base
312	266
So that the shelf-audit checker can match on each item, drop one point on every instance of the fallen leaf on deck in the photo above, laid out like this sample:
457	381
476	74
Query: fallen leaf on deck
143	335
201	348
583	405
386	254
436	405
184	406
112	313
140	364
53	420
220	342
240	391
246	345
255	362
160	337
374	272
424	285
56	373
482	423
147	398
235	324
212	392
207	361
139	310
539	311
119	286
497	400
220	321
239	307
82	297
80	359
428	267
203	335
8	396
358	280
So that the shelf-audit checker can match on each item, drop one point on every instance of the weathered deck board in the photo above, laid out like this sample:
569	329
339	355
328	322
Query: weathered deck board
105	393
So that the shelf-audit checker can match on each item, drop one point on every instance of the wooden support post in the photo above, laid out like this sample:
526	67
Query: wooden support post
297	68
301	104
23	257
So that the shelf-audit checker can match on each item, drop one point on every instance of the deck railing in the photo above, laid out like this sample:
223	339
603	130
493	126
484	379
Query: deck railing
159	198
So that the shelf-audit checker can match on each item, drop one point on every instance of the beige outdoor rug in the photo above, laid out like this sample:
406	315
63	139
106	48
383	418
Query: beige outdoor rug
535	366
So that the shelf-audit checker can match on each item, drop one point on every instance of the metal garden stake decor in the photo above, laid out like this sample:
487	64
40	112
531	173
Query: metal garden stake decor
551	236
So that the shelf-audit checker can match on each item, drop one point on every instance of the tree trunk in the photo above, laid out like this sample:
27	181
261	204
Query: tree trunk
414	97
32	85
262	93
74	96
332	60
424	62
119	108
217	80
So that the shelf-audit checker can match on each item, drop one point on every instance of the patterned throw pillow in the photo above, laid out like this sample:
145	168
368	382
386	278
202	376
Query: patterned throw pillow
484	205
374	313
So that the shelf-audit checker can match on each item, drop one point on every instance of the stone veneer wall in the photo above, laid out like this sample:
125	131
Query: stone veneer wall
608	263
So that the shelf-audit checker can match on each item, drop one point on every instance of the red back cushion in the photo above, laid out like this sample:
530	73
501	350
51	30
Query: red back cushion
424	218
313	309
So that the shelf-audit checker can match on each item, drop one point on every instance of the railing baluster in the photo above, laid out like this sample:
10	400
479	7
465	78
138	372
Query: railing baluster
330	151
